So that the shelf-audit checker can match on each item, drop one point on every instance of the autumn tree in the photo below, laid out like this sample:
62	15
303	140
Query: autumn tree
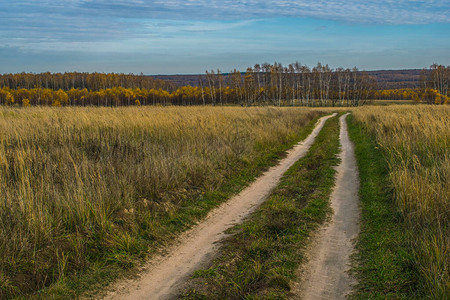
236	83
211	79
440	77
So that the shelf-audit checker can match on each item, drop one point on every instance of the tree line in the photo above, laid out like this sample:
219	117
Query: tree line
422	95
266	84
434	85
77	80
295	84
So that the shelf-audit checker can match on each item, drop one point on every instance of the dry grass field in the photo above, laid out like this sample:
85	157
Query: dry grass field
87	187
416	143
93	190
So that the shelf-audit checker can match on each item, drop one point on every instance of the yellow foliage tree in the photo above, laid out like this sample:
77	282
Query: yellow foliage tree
9	98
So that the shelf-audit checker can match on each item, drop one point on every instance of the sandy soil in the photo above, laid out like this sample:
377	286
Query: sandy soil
164	275
325	276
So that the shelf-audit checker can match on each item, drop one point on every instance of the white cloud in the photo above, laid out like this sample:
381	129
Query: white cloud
81	24
372	11
365	11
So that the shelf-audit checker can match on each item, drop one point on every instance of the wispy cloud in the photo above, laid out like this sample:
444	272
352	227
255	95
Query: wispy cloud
365	11
105	20
92	27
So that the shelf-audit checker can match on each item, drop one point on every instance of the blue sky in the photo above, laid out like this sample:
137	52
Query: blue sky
190	36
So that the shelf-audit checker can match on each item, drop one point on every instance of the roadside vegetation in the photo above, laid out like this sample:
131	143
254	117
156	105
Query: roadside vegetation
404	245
383	261
89	192
261	257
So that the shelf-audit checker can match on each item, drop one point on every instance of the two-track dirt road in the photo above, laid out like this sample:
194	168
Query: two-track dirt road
325	275
165	274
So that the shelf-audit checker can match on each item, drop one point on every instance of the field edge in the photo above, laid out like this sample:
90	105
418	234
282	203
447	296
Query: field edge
383	261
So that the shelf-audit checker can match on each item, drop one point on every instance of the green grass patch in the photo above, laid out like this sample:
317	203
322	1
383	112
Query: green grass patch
261	258
383	263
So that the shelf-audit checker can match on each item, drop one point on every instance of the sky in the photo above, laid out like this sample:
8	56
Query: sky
191	36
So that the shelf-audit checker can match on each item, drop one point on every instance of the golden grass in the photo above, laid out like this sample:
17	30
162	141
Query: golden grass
416	143
80	185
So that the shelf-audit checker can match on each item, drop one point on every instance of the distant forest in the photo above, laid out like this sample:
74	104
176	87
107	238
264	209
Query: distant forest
385	79
264	84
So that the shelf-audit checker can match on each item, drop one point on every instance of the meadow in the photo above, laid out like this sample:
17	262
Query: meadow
87	193
415	141
94	190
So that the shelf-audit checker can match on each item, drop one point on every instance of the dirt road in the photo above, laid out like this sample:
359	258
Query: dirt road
165	274
325	275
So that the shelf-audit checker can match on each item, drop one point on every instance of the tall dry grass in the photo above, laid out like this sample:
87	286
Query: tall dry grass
80	185
416	142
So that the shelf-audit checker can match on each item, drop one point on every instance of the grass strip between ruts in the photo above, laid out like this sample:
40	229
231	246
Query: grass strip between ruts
383	262
261	258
